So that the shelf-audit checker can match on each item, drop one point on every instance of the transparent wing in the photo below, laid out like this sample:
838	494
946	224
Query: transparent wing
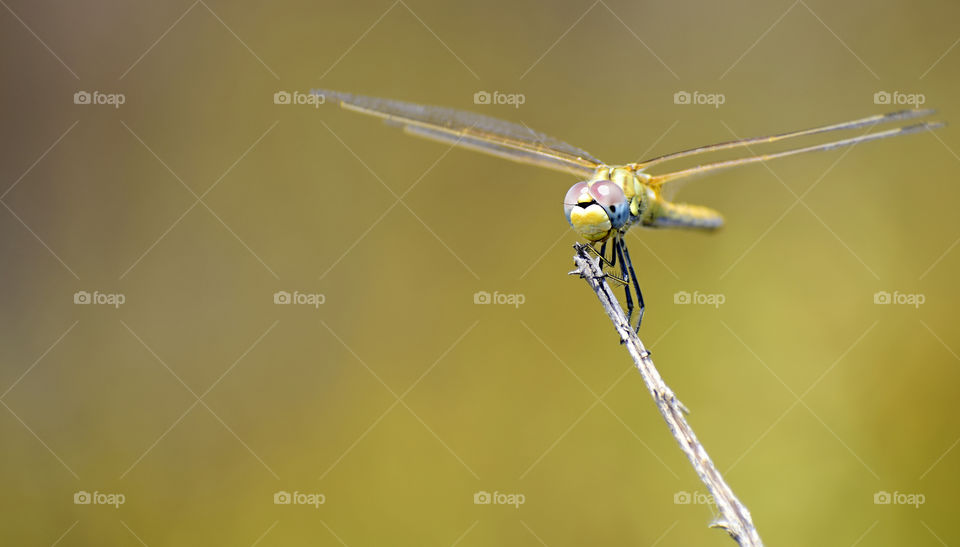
474	131
720	165
854	124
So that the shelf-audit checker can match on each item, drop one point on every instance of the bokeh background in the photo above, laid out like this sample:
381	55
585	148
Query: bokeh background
398	399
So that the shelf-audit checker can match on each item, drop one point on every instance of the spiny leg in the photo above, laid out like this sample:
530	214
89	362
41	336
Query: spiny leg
633	277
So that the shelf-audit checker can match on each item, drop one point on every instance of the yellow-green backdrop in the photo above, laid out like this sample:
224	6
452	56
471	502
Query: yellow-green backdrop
394	398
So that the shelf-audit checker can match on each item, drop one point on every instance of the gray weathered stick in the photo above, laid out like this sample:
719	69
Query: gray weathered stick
735	518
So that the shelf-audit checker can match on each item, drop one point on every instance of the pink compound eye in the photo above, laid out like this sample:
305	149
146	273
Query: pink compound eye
611	197
607	194
574	193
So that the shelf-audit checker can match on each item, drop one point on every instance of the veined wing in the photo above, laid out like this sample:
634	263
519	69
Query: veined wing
720	165
474	131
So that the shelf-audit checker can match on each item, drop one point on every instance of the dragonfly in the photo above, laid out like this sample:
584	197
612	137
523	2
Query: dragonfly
610	199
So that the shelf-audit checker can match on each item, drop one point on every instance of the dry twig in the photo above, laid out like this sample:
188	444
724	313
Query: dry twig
734	516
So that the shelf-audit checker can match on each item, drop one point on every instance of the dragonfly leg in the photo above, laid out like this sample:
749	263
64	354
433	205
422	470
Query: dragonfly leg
628	263
618	249
604	261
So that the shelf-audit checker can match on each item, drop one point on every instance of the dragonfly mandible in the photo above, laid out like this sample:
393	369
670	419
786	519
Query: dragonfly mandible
610	199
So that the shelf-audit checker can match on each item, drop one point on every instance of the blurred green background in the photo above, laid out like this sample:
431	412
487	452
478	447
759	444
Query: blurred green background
398	399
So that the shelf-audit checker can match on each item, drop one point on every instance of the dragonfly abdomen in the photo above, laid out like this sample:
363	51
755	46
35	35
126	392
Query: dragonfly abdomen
666	214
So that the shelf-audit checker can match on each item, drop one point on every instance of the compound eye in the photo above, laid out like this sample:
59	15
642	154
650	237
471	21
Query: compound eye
607	194
579	192
611	197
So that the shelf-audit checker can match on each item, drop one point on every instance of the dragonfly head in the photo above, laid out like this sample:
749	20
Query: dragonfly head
595	208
